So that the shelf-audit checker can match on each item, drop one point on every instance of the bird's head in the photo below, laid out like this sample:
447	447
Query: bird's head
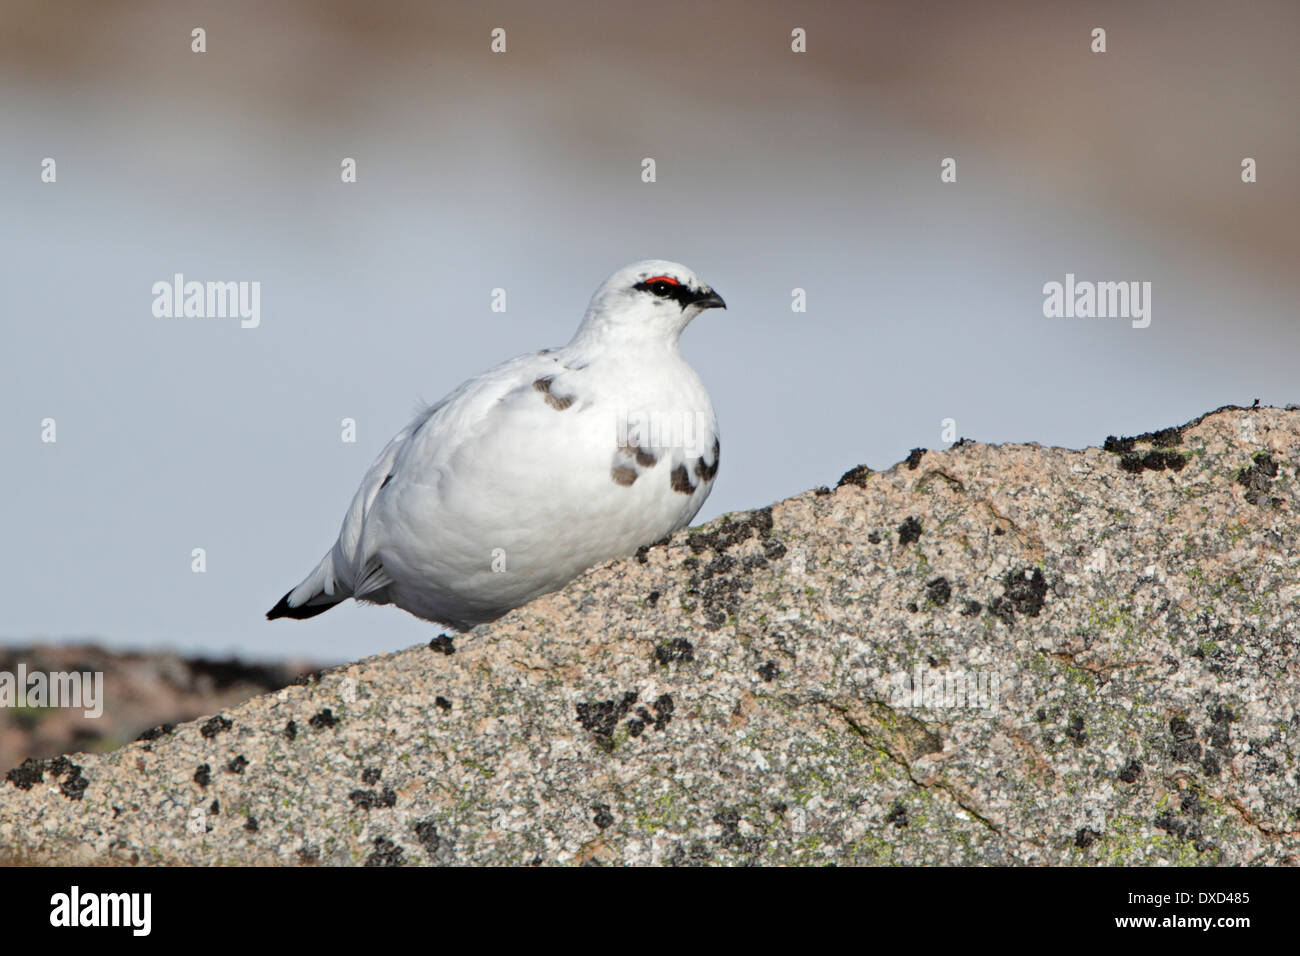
647	301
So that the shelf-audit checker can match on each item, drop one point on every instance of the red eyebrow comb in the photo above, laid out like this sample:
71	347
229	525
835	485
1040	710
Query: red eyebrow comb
669	279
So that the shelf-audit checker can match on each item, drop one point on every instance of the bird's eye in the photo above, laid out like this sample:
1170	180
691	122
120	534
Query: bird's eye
662	286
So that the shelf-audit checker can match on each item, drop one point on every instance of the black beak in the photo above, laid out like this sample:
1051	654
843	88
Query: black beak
710	300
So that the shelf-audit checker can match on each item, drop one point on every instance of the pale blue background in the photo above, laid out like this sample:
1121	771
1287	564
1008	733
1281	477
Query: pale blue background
522	171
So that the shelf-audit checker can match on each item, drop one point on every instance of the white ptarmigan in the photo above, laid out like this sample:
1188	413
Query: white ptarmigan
524	477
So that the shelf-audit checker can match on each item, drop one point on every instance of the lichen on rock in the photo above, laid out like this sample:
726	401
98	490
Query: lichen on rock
985	654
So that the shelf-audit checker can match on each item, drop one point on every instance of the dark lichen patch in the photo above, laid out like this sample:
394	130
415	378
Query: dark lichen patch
658	715
697	854
1075	731
1186	825
443	645
1185	748
291	730
203	775
1164	438
677	651
971	608
373	799
652	598
914	458
442	703
731	837
215	725
1117	446
426	831
237	764
1085	837
1023	592
601	717
731	530
1152	461
858	476
769	672
714	589
1218	739
642	553
386	853
153	733
603	818
250	825
722	564
1130	772
909	531
897	816
371	776
821	491
939	590
30	773
74	784
1257	479
309	855
324	718
214	810
875	537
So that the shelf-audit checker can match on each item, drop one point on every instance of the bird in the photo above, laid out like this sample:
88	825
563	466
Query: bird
527	475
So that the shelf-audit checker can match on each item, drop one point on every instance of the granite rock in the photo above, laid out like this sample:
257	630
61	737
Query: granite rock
986	654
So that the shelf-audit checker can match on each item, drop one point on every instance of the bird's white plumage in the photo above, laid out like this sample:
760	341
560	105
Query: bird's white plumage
530	473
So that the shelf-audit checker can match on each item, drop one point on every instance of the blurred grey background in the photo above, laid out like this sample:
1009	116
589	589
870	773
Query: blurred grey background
522	170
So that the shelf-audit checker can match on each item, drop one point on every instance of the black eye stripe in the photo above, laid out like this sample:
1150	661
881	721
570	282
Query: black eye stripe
683	295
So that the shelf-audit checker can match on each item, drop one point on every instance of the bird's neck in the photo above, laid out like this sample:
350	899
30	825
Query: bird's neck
649	345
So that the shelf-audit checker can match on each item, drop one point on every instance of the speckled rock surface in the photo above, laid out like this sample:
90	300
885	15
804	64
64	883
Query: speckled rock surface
1113	633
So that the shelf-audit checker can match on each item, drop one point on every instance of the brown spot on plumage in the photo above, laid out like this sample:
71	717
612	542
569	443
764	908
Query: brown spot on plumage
556	402
682	481
707	472
645	459
623	475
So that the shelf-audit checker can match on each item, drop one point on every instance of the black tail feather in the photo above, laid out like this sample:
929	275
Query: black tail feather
297	613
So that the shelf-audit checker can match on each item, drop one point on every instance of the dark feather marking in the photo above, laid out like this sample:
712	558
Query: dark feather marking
556	402
645	459
623	475
708	471
681	480
298	613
